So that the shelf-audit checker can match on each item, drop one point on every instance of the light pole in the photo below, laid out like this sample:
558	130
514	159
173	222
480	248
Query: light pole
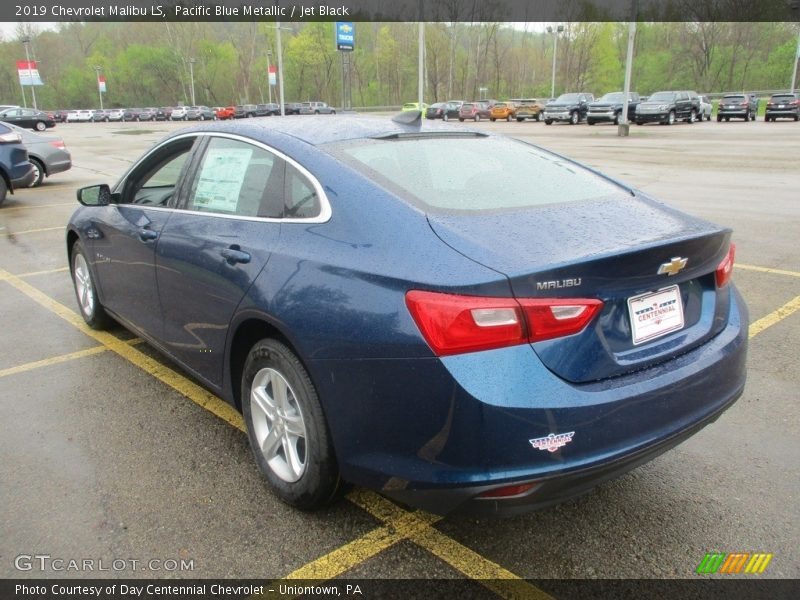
796	60
191	77
26	42
99	89
555	33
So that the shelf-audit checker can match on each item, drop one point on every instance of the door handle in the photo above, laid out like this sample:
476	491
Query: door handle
147	235
234	255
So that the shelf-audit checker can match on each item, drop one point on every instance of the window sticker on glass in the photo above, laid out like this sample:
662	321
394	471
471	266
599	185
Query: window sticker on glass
221	179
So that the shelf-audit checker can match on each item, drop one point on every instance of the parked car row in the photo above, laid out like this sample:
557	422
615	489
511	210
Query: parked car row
665	108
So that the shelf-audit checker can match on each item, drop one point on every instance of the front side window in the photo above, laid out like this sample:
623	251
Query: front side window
154	181
237	178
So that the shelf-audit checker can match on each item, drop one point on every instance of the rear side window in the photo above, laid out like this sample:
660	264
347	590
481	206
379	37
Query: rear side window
302	201
473	173
236	178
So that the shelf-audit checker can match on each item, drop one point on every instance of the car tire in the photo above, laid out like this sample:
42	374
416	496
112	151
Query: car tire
3	190
719	119
316	112
589	122
40	126
106	119
202	117
616	118
492	119
445	117
508	118
640	122
692	117
287	429
538	117
39	172
548	121
333	112
477	118
671	118
574	118
89	305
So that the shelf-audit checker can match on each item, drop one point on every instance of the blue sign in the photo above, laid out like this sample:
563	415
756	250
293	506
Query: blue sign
345	35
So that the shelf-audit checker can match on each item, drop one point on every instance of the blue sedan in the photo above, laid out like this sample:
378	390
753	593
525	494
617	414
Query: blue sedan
462	321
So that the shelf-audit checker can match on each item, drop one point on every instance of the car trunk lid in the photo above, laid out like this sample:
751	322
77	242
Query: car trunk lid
617	249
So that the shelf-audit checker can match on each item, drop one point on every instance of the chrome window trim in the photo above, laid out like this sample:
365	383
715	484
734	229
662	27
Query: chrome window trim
325	211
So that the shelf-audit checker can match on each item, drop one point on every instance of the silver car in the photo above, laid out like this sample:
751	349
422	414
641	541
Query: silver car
705	109
47	154
316	108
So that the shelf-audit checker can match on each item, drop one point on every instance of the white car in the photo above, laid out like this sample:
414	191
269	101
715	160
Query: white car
179	113
705	109
83	116
72	116
116	114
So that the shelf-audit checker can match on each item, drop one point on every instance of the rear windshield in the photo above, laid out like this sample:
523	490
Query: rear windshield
467	106
460	173
662	97
733	98
500	105
783	98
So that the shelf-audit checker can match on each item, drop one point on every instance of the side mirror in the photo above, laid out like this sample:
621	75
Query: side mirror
95	195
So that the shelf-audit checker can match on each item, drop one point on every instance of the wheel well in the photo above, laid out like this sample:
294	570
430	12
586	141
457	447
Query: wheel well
42	164
247	335
72	237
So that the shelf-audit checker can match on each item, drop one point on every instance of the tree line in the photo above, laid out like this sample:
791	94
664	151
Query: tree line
147	64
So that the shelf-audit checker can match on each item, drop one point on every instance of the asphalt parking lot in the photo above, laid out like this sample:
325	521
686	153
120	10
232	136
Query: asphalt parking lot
108	452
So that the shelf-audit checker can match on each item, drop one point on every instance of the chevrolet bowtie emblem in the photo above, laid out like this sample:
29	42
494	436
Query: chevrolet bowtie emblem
673	267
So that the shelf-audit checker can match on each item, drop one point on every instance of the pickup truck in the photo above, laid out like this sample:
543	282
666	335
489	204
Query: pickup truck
609	108
667	107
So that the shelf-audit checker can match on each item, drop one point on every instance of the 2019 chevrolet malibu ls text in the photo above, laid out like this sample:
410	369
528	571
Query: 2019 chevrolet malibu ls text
462	321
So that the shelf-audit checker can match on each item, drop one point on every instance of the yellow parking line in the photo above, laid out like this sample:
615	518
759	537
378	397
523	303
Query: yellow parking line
417	527
774	317
161	372
55	360
47	272
26	207
13	233
767	270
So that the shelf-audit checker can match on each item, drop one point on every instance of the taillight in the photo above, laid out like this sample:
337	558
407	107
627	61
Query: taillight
725	268
454	324
58	144
509	491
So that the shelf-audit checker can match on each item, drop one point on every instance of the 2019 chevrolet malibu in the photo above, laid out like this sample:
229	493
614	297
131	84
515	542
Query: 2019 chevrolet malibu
463	321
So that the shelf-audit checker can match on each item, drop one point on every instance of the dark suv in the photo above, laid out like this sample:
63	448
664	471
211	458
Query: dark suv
609	108
243	111
738	106
783	106
667	107
571	108
16	171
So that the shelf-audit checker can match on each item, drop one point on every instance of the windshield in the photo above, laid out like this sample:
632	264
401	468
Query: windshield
466	173
568	98
613	97
662	97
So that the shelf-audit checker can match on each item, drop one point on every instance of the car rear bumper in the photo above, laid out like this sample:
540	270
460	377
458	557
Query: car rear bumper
781	112
23	176
436	433
732	113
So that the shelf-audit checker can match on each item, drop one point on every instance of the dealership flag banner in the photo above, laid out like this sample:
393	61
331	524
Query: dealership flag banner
101	83
273	72
28	73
